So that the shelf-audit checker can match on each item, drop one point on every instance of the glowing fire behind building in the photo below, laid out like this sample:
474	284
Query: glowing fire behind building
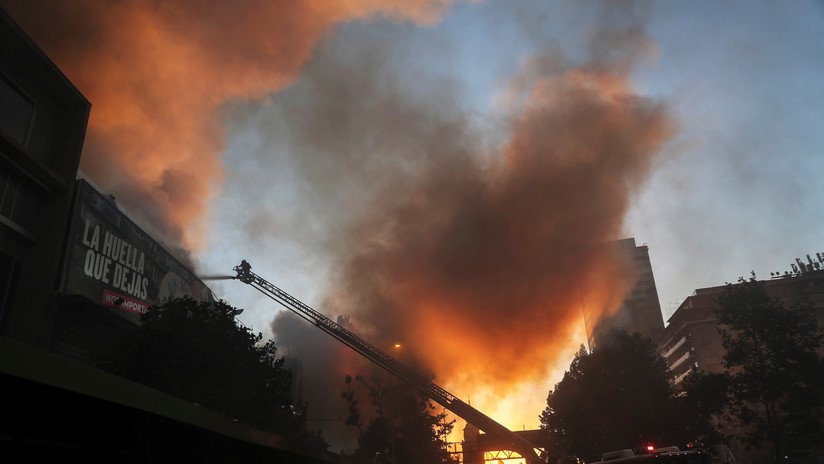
478	261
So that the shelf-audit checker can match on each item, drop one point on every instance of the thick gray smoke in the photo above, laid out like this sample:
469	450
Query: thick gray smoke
468	239
477	257
158	73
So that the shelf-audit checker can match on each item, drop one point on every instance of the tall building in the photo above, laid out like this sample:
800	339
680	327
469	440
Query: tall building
641	310
42	126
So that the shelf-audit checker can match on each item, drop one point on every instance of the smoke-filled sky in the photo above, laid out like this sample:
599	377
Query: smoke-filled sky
442	172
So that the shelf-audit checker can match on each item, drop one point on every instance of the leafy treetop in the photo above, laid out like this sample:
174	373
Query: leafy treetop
404	426
774	374
615	397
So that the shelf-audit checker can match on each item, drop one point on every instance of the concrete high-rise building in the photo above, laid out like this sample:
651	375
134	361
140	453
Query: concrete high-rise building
641	310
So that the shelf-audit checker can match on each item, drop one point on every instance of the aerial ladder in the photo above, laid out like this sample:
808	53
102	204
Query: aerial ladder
388	363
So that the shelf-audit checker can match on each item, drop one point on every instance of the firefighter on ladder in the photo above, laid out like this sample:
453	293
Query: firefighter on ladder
243	271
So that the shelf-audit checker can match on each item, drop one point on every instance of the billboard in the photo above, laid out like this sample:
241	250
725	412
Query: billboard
113	262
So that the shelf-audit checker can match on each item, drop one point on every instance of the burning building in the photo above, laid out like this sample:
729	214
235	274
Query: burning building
112	273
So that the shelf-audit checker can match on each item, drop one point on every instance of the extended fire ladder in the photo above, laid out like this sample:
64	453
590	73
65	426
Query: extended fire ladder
393	366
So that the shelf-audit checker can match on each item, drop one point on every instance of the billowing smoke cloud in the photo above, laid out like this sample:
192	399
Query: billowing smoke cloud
477	257
473	244
157	74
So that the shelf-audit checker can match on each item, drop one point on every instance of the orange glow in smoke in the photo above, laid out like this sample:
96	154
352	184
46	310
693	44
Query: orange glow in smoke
505	370
157	78
482	271
492	282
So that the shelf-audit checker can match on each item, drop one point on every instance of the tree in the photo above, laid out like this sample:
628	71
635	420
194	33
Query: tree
615	397
775	376
404	429
703	398
197	352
